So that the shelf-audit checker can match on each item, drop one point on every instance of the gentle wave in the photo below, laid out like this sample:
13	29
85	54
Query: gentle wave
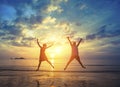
105	71
72	68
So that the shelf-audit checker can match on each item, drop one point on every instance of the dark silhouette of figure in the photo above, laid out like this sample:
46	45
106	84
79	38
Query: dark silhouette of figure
38	84
52	84
42	56
74	53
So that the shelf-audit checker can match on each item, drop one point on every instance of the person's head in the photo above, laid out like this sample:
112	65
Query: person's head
44	45
74	43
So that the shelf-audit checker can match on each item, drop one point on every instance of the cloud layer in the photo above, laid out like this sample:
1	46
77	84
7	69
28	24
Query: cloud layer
22	21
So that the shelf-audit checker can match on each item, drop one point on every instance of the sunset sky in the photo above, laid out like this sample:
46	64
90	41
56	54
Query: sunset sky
51	21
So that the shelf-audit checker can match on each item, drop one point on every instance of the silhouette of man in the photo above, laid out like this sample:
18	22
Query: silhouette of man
42	56
74	53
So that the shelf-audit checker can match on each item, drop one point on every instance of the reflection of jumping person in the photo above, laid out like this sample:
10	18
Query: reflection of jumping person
43	56
74	54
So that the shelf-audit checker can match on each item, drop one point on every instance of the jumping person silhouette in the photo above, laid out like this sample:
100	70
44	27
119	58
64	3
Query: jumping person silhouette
74	53
42	56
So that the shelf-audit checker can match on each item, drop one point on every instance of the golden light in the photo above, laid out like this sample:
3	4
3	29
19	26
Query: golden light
30	33
55	51
53	38
58	50
52	55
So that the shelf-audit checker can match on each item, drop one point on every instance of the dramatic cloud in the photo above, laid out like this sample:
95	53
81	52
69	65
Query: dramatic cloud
104	33
116	42
55	6
52	8
22	21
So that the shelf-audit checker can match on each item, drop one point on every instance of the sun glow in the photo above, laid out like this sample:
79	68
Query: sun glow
58	50
55	51
52	56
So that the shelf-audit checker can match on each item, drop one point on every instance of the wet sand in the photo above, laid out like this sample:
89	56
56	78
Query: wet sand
58	79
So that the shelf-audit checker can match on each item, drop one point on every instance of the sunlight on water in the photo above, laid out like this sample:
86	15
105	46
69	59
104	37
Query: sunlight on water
59	64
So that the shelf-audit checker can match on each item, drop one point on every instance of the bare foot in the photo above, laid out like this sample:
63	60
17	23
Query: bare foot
37	70
84	67
64	68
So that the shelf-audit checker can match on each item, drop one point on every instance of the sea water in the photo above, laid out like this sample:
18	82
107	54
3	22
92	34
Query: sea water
92	65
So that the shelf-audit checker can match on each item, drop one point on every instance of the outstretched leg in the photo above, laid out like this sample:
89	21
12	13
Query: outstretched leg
78	59
68	63
50	63
38	66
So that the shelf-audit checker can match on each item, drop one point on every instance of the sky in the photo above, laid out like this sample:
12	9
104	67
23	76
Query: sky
51	21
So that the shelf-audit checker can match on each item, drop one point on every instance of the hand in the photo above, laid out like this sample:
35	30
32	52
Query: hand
81	39
68	37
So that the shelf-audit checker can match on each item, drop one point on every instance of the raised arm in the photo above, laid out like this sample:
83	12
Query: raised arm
50	46
38	43
79	42
69	40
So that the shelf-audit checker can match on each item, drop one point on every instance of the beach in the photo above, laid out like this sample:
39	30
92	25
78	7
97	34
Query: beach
31	78
14	73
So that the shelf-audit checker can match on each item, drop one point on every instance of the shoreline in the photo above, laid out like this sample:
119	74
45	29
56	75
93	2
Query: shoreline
66	71
58	79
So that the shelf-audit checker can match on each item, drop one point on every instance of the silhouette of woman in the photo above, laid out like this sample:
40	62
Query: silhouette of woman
74	53
42	56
